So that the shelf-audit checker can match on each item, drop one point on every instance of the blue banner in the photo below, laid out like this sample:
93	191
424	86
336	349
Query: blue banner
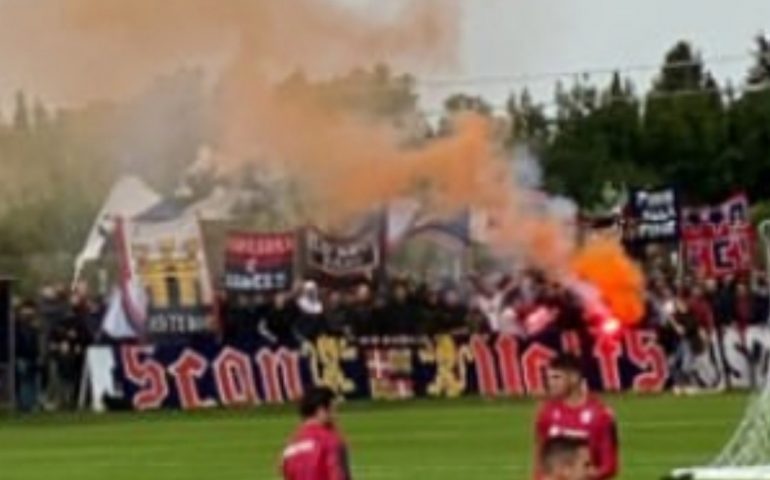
209	374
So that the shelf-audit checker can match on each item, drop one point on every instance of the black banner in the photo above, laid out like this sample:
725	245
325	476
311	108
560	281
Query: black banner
259	262
334	257
653	216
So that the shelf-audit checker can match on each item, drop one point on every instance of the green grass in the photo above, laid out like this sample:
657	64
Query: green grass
421	440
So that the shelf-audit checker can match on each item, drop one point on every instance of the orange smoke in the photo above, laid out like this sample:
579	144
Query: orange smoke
342	164
620	284
78	50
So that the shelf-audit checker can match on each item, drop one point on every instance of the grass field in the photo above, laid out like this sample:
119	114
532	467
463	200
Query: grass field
421	440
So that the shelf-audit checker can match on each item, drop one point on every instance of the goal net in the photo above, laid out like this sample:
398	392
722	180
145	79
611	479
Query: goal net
747	455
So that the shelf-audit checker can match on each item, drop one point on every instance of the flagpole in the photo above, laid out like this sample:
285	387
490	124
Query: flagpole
384	254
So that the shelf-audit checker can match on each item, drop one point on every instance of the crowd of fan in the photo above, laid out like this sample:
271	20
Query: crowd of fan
403	307
688	314
54	330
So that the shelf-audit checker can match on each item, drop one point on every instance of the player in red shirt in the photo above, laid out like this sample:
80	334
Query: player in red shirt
572	412
316	451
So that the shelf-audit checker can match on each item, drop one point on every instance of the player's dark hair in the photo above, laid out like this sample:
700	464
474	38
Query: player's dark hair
558	451
567	363
314	400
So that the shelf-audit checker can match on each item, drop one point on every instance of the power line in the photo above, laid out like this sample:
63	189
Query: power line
721	91
539	77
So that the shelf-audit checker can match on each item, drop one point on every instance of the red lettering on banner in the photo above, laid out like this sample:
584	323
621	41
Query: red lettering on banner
148	375
570	343
234	375
647	354
186	371
260	245
508	356
608	350
281	367
485	366
535	360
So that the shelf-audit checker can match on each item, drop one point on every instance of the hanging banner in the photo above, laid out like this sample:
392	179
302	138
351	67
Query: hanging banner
357	256
165	285
254	372
718	239
259	262
652	216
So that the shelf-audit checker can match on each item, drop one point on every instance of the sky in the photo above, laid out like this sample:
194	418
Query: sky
519	38
515	38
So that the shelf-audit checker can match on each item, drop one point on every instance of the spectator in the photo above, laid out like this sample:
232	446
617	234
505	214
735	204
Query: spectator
278	323
665	310
743	306
724	299
430	311
691	345
310	312
760	299
27	357
567	306
336	315
701	309
399	315
491	298
67	345
361	311
452	313
52	306
477	322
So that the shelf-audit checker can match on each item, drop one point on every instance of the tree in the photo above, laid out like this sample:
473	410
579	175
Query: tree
595	141
750	126
759	74
40	118
461	102
685	128
21	113
529	124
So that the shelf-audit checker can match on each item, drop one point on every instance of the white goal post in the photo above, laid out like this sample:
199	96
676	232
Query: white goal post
747	455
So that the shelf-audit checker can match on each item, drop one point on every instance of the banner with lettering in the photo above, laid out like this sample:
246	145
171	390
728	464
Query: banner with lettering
338	258
165	286
652	216
254	372
718	239
259	262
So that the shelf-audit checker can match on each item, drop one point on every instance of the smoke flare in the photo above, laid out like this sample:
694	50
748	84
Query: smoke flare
345	164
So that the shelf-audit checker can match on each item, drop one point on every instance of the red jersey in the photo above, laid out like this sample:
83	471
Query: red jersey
316	452
592	421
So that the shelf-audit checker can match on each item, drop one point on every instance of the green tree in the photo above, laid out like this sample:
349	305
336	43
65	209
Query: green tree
461	102
685	128
750	132
595	142
529	123
759	74
21	113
